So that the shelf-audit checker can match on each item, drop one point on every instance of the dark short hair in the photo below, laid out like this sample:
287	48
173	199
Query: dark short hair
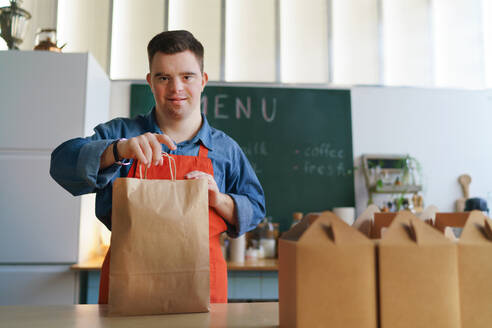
173	42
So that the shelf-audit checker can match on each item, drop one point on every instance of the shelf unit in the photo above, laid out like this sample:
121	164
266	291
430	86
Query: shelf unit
392	165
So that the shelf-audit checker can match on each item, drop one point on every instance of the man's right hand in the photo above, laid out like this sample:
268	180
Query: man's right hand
145	148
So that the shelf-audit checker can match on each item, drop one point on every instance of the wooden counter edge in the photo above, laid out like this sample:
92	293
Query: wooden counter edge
92	264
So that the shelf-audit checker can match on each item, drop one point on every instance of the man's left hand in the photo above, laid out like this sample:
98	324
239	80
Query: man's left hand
214	195
222	203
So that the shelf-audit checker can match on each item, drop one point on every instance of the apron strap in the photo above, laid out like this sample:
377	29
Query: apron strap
203	151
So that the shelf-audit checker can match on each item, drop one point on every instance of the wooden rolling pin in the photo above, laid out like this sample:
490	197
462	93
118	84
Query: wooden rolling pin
464	181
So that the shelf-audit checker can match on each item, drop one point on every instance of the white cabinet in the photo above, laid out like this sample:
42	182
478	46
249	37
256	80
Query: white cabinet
36	285
39	220
45	99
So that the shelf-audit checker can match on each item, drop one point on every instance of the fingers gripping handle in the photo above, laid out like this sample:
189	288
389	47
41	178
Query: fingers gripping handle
172	164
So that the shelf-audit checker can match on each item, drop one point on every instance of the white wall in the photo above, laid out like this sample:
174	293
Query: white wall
43	16
84	27
448	131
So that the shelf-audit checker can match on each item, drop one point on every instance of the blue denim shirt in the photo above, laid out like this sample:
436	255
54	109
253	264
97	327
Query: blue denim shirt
75	166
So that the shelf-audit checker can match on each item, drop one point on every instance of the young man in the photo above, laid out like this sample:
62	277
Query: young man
176	126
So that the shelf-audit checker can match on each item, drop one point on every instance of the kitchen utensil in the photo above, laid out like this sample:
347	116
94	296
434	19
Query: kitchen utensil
464	181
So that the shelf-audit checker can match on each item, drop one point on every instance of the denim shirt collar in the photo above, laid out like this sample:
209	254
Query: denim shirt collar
204	135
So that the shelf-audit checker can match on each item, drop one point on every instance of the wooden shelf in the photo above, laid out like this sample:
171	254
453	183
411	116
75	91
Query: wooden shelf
396	189
254	265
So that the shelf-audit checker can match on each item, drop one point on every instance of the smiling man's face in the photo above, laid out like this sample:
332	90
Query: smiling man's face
177	83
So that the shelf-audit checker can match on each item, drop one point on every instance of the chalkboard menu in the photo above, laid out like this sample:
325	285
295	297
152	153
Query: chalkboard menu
298	140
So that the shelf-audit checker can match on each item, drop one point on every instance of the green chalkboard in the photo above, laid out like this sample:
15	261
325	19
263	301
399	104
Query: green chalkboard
298	140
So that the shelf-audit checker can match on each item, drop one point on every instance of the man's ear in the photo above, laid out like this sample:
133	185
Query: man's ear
149	81
204	80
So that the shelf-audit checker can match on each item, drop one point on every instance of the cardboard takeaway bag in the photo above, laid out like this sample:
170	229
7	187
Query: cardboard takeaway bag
159	247
418	276
475	271
327	275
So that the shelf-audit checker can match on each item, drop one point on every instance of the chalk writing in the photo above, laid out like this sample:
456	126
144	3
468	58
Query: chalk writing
255	149
218	106
264	110
323	150
243	108
311	168
256	167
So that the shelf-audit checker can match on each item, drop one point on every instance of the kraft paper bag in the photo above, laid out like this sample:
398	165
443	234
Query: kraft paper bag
327	275
159	247
418	276
475	271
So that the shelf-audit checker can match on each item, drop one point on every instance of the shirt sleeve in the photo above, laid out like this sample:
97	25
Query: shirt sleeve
75	163
246	191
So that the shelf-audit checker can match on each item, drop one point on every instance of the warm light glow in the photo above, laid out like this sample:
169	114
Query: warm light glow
202	18
105	236
458	46
250	41
355	42
89	240
304	41
79	35
134	24
407	52
3	44
487	39
422	42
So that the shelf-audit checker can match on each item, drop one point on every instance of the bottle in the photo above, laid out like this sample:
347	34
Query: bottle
238	249
297	217
268	244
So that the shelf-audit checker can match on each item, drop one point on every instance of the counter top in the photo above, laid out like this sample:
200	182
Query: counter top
249	265
254	265
95	316
92	264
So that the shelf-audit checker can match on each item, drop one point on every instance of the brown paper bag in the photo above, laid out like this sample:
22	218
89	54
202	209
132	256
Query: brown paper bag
159	247
418	276
327	275
475	271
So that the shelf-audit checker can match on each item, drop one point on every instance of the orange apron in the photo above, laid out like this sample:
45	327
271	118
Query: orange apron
218	266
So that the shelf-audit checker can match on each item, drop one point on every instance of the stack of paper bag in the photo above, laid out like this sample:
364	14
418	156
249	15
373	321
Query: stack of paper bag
418	276
475	271
326	275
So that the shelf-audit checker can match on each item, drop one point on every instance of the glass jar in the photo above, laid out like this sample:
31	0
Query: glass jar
45	39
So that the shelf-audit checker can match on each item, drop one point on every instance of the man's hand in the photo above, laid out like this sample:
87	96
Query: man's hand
145	148
222	203
214	195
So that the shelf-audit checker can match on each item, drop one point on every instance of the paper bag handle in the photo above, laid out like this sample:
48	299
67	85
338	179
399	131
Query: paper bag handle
140	171
172	163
